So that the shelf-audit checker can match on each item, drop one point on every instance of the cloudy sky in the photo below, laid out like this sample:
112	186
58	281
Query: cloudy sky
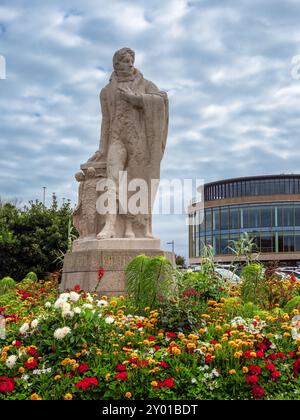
230	67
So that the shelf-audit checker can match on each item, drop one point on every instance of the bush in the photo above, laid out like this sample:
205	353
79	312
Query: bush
292	304
6	284
31	276
31	237
254	288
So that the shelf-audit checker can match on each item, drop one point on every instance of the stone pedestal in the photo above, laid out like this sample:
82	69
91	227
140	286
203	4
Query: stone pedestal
82	264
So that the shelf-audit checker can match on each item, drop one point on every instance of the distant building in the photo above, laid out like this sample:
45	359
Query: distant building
267	207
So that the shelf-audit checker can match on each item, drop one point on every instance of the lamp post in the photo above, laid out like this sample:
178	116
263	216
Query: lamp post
173	245
44	196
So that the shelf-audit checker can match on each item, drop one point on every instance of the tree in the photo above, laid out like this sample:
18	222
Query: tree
31	237
180	260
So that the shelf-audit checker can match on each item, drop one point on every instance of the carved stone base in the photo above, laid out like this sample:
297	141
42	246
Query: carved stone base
81	267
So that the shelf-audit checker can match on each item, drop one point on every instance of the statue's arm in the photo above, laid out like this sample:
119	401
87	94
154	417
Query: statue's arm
105	125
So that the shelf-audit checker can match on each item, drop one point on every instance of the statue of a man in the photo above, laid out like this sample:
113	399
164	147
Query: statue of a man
133	135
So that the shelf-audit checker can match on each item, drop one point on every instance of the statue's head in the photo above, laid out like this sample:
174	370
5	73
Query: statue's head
79	176
91	172
123	61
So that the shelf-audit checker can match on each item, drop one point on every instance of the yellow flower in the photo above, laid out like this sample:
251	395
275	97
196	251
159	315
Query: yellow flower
154	384
245	369
68	397
3	356
84	346
253	354
65	362
176	350
77	355
218	328
57	377
191	345
286	317
99	353
128	395
134	356
103	297
238	354
202	331
181	335
107	376
218	346
30	360
35	397
295	312
113	302
286	334
21	370
232	372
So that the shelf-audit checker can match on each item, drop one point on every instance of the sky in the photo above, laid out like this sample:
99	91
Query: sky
231	70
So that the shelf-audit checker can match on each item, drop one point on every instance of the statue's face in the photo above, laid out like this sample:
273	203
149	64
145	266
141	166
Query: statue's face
125	64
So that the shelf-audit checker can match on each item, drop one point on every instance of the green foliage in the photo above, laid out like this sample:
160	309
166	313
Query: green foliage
149	280
292	304
30	237
254	288
7	284
32	276
244	247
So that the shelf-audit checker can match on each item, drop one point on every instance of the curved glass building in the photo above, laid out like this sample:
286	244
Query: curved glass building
266	207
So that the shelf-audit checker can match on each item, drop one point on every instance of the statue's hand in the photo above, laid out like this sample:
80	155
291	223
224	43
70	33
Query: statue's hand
96	156
130	97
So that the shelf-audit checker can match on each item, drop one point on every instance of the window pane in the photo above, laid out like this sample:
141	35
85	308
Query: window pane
224	244
216	222
266	217
267	243
234	218
297	243
224	214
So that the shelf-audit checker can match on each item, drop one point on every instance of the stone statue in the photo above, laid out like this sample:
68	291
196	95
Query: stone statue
85	214
133	137
133	133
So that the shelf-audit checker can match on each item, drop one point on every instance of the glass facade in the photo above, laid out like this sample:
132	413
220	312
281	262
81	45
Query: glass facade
275	227
275	185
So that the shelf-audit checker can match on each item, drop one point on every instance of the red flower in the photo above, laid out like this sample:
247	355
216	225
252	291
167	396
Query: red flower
83	368
240	327
190	292
291	354
87	383
280	355
122	376
18	343
31	365
121	368
77	288
208	359
213	342
255	370
6	385
151	338
258	392
293	278
31	351
171	335
163	365
167	383
271	367
101	273
296	368
139	325
275	375
260	354
252	379
156	347
272	356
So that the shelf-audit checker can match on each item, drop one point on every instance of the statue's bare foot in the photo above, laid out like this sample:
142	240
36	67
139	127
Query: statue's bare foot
106	234
129	233
149	235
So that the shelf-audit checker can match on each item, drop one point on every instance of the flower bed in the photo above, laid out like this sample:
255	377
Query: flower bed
79	346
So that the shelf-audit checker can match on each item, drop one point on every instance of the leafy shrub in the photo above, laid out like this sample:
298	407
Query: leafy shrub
149	280
6	284
32	276
254	288
30	238
292	304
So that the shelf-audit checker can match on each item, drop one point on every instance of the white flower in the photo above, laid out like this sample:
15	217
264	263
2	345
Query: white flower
61	333
102	303
89	298
215	373
109	320
48	305
64	296
77	310
35	323
87	306
11	361
74	297
194	381
25	327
